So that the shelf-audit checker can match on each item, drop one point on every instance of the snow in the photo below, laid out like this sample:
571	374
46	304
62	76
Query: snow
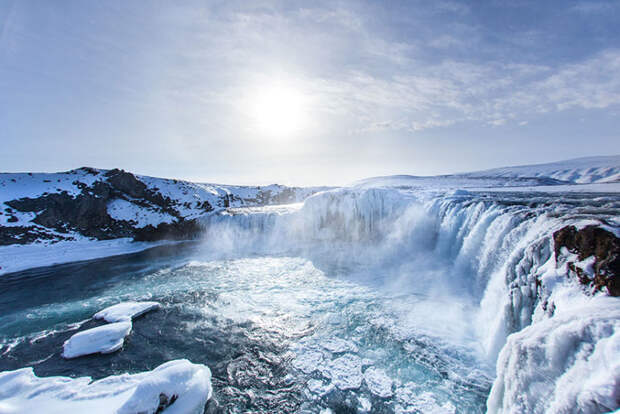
567	363
18	257
22	391
126	311
579	171
102	339
589	170
143	216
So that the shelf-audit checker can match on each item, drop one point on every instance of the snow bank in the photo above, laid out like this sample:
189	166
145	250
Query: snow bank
189	385
102	339
18	257
580	170
567	363
126	311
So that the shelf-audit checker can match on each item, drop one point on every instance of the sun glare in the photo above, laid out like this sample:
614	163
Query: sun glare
279	110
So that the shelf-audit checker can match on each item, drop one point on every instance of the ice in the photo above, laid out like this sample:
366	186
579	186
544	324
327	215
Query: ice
318	387
126	311
345	372
22	391
338	345
308	361
378	382
567	363
102	339
412	400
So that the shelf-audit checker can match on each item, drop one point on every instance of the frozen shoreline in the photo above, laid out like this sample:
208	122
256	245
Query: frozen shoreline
19	257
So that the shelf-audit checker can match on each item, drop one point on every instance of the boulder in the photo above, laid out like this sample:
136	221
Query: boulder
592	241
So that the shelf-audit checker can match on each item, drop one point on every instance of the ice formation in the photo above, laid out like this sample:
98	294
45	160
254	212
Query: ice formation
103	339
179	385
126	311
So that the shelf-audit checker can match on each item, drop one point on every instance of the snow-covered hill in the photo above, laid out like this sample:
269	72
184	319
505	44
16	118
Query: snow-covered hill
585	170
589	170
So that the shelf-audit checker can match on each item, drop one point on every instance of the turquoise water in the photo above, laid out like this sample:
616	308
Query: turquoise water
279	333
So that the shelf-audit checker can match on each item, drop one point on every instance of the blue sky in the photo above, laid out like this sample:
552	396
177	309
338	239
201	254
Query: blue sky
306	92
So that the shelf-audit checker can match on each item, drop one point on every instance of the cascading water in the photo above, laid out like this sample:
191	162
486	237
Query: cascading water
369	300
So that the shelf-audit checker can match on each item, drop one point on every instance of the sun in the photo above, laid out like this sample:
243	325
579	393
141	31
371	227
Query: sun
279	110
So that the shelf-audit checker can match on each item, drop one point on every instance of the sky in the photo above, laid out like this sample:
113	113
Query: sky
308	92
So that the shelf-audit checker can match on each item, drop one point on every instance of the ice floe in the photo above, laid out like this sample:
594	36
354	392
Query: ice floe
318	387
345	372
338	345
126	311
102	339
412	400
179	385
378	382
308	361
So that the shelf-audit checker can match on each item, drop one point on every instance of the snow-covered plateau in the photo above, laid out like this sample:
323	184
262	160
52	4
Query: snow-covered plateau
495	291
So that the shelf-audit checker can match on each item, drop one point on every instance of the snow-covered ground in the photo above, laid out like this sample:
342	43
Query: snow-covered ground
584	170
588	170
17	257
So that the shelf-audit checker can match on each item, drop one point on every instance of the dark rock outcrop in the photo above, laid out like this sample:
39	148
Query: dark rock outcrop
181	230
86	213
26	235
590	241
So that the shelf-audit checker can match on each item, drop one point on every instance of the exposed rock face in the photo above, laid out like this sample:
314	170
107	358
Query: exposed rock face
112	204
87	212
596	242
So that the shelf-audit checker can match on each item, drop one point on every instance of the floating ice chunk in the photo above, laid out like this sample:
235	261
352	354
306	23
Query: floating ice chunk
378	382
337	345
308	361
184	386
318	387
411	401
102	339
345	372
126	311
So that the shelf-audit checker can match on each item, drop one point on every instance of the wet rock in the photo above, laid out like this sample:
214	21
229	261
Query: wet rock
591	241
165	402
